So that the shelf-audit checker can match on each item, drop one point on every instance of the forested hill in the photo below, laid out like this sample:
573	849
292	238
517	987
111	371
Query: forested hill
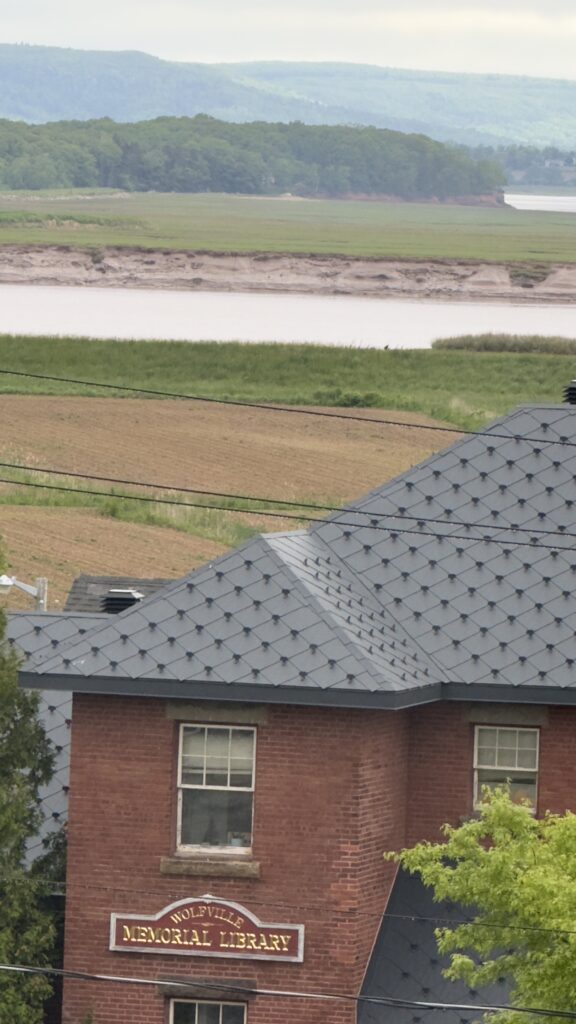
40	84
204	155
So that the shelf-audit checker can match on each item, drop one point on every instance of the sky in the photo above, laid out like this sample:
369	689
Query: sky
528	37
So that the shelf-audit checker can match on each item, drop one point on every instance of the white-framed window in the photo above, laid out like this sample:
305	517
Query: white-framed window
186	1011
216	787
506	756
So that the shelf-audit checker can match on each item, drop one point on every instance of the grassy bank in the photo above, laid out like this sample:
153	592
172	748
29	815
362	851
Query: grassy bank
464	388
218	223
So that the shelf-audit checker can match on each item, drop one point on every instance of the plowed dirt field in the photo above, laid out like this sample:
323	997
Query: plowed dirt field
180	444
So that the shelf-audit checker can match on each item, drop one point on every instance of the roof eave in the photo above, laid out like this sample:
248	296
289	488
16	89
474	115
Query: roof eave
172	689
254	693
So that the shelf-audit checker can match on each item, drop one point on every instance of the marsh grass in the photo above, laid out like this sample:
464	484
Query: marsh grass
227	223
527	344
51	219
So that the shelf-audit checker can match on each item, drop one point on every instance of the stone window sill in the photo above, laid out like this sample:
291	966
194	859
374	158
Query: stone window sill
215	866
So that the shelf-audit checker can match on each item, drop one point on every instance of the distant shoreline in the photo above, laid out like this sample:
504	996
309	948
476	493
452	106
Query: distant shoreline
379	278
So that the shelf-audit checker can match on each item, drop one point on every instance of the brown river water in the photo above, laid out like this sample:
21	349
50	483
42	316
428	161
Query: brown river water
252	317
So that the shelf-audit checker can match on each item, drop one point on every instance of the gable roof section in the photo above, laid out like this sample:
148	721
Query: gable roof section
455	580
279	618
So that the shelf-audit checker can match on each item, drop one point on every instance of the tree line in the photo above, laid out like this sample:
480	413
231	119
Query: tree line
531	165
201	154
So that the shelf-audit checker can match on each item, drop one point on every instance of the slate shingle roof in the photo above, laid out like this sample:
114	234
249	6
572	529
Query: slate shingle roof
457	579
405	963
281	612
488	589
33	634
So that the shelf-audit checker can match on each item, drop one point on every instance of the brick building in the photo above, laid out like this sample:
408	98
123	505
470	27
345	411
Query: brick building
247	741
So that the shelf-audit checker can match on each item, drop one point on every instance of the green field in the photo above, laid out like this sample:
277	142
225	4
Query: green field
463	388
220	223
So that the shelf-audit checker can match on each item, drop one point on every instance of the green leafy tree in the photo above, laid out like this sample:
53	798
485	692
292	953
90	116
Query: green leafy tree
26	928
518	874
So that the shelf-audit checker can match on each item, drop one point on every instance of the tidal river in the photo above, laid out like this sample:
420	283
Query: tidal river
251	317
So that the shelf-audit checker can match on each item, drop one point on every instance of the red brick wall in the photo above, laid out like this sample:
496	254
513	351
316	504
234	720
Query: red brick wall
440	765
334	789
330	797
557	776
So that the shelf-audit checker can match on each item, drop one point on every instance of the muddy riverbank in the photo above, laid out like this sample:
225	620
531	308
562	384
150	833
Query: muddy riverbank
445	280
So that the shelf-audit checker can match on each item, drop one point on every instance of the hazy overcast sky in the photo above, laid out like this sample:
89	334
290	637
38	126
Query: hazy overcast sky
534	37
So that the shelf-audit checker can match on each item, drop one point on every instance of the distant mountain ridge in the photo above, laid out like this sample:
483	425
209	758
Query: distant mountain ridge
40	84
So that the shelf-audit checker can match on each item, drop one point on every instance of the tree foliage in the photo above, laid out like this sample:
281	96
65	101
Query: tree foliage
547	166
26	929
201	154
518	874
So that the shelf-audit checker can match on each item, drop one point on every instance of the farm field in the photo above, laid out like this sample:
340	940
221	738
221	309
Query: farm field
176	444
234	451
224	223
62	543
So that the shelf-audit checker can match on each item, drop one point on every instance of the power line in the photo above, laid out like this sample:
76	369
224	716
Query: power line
319	908
226	401
343	510
286	409
248	991
392	530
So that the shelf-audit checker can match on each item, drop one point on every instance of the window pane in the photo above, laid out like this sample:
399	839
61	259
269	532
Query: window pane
184	1013
218	744
241	773
193	739
508	738
217	753
521	786
524	789
528	740
216	818
486	755
233	1014
208	1013
527	759
193	743
242	745
216	772
487	737
506	756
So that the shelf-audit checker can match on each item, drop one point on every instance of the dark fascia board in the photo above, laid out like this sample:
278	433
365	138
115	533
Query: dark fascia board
171	689
503	694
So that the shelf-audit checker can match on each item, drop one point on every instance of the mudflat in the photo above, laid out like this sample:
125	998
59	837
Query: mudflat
443	279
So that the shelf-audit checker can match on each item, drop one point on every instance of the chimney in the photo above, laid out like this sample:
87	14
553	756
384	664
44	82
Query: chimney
570	393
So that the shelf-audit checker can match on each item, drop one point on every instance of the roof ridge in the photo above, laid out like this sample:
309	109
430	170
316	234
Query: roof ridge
346	636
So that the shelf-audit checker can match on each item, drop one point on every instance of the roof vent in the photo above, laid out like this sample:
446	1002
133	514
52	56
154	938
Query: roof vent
570	393
117	600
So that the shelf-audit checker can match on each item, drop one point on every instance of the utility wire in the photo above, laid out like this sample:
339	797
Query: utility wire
287	409
393	530
42	880
342	510
289	994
